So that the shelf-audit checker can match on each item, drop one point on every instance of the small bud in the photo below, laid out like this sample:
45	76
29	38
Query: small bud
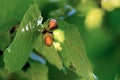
57	46
48	39
52	23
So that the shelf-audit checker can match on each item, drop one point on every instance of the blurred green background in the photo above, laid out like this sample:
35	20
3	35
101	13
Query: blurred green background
98	22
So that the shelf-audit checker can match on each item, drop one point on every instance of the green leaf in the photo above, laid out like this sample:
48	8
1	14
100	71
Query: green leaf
1	62
49	53
11	12
73	53
37	71
54	74
18	75
16	55
4	40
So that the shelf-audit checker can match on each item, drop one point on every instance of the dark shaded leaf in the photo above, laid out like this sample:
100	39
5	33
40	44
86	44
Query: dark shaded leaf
4	40
11	12
37	71
54	74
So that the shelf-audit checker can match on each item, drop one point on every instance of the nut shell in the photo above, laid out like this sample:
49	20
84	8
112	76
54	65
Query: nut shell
48	39
52	24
